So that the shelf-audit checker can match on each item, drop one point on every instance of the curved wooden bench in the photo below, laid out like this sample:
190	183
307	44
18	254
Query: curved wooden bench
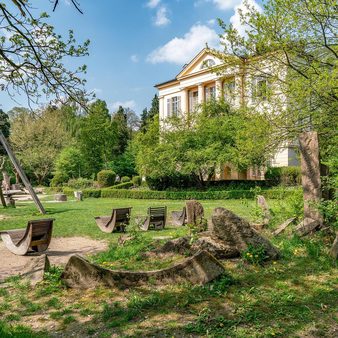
116	222
36	237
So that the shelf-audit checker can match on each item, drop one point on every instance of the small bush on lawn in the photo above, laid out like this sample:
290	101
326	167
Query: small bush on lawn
125	179
137	181
106	178
80	183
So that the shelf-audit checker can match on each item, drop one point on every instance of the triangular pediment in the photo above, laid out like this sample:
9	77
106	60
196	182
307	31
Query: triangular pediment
201	62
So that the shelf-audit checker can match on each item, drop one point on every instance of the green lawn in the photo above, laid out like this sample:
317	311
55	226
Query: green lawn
74	218
296	296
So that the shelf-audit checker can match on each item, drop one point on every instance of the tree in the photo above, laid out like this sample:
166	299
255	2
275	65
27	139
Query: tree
148	116
299	41
31	66
97	137
120	122
124	165
69	164
197	144
38	138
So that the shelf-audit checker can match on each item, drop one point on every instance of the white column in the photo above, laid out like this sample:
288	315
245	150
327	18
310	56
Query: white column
184	100
218	86
200	93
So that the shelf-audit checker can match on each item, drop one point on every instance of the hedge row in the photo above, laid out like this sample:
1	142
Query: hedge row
182	195
125	185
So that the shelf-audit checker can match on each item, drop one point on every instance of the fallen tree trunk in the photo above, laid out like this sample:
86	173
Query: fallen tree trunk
198	269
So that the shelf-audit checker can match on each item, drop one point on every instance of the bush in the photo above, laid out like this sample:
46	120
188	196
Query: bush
125	179
80	183
291	176
199	195
288	176
172	181
106	178
137	181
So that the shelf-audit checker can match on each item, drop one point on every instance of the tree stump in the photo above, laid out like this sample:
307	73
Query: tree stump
60	197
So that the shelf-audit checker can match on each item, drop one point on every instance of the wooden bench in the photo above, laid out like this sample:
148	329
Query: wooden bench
118	220
156	219
36	237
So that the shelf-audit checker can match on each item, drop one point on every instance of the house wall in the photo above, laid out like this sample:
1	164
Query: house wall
192	77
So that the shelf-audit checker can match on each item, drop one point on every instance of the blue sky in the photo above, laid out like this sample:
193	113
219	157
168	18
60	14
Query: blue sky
137	43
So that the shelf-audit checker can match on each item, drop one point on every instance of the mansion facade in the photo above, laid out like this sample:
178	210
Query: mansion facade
197	83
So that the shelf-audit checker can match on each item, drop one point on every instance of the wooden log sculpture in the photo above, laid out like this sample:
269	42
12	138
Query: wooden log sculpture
36	237
198	269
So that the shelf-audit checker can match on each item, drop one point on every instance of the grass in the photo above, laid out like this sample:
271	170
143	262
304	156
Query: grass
293	297
77	218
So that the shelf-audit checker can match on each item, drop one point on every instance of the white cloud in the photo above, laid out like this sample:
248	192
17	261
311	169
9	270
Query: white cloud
235	20
153	3
134	58
181	50
125	104
225	5
161	18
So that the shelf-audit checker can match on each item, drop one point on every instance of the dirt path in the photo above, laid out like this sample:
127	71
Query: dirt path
58	253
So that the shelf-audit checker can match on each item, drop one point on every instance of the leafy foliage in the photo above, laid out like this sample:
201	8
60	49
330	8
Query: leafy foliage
195	145
106	178
70	164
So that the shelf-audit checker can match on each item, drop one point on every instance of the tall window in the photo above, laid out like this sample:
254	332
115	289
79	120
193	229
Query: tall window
173	106
210	93
193	100
229	91
261	89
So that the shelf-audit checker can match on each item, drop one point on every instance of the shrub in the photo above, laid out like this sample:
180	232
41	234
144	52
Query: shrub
125	179
80	183
172	181
291	176
288	176
137	181
106	178
199	195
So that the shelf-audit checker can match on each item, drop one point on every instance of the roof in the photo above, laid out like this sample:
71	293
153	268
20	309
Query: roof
166	82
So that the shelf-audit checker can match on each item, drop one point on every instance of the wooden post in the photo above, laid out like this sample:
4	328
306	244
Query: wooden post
22	174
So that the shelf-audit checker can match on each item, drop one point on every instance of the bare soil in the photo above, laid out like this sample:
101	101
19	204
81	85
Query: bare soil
58	253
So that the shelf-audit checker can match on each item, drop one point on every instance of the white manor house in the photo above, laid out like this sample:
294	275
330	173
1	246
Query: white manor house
197	83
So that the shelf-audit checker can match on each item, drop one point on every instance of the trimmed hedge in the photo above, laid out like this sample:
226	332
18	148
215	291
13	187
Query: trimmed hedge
184	195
